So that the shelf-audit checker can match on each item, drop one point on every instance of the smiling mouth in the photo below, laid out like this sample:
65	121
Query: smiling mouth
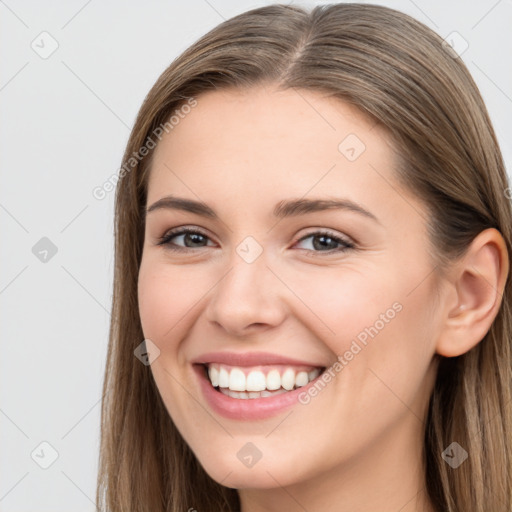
259	381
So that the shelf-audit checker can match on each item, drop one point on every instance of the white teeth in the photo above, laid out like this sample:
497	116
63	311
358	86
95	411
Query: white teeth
255	384
273	380
213	373
237	380
300	380
256	381
312	375
288	379
223	378
243	395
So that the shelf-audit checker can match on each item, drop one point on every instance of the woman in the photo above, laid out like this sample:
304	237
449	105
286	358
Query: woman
312	239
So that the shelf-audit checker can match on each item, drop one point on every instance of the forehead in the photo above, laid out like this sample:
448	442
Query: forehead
282	118
238	146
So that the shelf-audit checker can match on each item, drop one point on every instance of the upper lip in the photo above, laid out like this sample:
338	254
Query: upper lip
251	359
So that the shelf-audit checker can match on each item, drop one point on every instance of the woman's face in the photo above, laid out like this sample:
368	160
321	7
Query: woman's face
291	289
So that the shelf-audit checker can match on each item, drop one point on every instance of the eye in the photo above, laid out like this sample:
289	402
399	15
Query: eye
192	238
325	241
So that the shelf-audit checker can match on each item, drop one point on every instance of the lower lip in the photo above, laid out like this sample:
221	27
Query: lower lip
250	408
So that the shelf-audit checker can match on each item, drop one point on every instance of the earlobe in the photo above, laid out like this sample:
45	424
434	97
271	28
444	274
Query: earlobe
477	282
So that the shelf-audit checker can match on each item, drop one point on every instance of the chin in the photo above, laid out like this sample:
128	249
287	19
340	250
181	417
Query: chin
262	475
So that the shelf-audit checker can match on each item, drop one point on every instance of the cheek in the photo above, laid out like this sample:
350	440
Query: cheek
373	321
165	296
342	302
171	298
391	338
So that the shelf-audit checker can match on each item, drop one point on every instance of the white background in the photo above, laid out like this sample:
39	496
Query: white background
64	123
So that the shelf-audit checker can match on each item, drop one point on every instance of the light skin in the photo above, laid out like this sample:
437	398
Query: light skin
357	444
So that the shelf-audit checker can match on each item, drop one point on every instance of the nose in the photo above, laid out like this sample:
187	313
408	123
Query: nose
250	298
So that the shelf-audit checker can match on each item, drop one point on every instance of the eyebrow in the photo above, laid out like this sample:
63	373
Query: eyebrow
285	208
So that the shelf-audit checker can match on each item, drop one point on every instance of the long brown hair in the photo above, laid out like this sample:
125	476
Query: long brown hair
398	72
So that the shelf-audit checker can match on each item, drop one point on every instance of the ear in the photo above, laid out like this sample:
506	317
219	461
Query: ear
476	285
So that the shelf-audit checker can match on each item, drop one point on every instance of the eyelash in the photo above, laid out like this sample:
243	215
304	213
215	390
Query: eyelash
166	240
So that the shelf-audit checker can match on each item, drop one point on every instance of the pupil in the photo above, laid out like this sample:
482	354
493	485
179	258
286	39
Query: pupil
194	237
197	238
323	238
